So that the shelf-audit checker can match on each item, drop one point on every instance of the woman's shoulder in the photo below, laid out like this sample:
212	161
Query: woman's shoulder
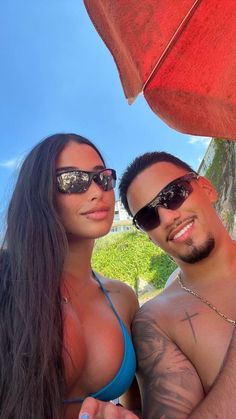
115	284
120	290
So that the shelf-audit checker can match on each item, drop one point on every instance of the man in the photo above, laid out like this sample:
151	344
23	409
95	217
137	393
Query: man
182	335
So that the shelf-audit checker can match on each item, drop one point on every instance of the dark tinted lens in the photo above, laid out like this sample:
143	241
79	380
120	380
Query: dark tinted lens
106	179
174	195
147	218
78	181
73	182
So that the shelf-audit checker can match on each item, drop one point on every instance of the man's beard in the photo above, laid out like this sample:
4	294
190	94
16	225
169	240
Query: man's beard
200	252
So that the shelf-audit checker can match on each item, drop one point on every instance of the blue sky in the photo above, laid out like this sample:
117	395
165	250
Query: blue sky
56	75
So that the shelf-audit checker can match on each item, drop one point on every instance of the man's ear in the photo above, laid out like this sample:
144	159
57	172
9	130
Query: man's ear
208	188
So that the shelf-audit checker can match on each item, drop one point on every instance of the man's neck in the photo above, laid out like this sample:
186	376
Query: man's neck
221	263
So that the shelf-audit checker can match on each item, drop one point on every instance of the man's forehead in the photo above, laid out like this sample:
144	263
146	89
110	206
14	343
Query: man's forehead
159	174
150	182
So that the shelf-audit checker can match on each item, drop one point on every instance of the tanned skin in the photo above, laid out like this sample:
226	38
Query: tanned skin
167	378
181	342
185	349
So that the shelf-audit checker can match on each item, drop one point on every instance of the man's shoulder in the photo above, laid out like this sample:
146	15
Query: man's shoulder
162	301
172	277
153	310
158	311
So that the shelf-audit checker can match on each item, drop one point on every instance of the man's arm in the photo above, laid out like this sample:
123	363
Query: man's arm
221	400
169	384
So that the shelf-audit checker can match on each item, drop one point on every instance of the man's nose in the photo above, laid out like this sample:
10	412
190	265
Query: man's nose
167	216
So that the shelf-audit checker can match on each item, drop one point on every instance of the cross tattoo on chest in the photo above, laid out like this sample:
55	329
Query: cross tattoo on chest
189	319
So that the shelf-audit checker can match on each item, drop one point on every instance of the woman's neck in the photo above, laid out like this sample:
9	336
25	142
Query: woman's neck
78	260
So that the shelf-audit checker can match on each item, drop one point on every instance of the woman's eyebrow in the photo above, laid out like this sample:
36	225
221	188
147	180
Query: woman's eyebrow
99	167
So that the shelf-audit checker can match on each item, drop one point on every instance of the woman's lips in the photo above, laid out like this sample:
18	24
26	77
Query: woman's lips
97	214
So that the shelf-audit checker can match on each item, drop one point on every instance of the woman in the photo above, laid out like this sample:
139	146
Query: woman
64	330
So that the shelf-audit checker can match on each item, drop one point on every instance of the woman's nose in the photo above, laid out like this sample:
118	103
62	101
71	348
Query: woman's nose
95	190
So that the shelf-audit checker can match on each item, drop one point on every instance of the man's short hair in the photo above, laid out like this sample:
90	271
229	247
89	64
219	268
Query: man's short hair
141	163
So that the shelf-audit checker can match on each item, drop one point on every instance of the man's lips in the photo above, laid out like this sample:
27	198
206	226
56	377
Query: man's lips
182	231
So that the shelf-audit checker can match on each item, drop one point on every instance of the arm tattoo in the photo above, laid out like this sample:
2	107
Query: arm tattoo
169	384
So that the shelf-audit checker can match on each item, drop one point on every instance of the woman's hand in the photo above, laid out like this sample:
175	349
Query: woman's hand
95	409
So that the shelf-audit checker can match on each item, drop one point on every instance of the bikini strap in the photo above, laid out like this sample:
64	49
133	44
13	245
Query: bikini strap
106	295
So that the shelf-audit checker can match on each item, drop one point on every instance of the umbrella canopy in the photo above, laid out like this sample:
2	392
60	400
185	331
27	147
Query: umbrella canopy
180	54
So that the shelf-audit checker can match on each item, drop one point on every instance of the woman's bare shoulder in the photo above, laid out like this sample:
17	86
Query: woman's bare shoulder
120	291
115	284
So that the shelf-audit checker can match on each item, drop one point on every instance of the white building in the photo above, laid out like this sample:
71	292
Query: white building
122	221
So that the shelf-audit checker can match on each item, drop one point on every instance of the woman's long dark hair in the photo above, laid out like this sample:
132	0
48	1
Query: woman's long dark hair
32	381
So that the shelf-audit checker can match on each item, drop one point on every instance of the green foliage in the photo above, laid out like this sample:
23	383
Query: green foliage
227	217
130	255
214	172
222	167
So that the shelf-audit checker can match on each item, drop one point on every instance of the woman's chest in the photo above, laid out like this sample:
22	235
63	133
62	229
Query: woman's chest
93	349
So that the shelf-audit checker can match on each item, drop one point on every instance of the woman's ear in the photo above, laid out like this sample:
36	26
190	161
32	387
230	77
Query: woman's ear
208	188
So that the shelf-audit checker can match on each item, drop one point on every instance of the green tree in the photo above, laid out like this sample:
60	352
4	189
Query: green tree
222	173
129	256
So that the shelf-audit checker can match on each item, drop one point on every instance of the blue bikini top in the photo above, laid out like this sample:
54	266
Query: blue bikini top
125	375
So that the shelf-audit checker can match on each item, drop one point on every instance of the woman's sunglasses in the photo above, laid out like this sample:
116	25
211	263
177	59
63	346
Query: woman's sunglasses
78	181
170	197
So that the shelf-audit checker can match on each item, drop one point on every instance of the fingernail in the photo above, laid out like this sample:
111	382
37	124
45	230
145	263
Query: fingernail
84	416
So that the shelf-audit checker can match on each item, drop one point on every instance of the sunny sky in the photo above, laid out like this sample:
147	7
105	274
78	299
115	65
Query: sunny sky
56	75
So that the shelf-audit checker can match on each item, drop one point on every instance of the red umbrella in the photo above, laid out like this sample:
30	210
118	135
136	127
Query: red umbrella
180	54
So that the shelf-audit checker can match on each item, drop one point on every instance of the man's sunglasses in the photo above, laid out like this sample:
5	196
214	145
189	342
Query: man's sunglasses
78	181
170	197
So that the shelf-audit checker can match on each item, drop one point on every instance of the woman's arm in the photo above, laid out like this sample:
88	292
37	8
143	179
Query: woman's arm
95	409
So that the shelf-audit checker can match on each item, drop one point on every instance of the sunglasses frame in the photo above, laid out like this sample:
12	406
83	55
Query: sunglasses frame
156	202
92	176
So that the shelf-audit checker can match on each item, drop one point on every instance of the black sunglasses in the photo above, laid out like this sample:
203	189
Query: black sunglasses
78	181
171	197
